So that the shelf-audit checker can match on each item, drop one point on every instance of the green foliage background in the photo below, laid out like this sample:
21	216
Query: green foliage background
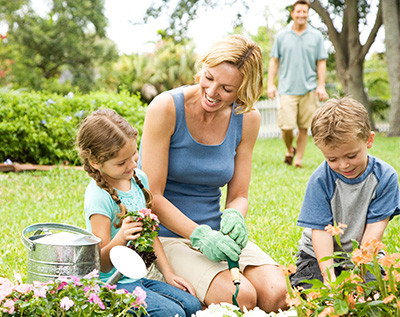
40	127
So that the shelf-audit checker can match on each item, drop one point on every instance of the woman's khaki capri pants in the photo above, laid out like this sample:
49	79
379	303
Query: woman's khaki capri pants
197	269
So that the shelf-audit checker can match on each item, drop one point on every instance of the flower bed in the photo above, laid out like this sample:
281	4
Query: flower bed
350	294
68	296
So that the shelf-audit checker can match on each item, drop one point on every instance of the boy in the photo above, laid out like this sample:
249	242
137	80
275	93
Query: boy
349	187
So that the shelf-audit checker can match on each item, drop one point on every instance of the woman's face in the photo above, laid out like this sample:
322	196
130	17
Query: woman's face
219	86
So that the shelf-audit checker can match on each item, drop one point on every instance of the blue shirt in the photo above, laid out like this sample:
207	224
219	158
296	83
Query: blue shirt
196	171
99	201
332	198
298	56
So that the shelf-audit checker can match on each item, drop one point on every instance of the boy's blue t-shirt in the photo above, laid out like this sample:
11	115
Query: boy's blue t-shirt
332	198
99	201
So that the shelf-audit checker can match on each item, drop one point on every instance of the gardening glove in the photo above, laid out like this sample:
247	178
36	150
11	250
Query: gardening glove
232	224
214	245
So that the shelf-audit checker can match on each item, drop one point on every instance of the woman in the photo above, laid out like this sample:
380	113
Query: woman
197	139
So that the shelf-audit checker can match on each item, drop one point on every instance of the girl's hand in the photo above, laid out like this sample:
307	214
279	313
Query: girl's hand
131	229
180	283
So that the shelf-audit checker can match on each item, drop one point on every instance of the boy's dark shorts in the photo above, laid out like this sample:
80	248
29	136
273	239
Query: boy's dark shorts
307	268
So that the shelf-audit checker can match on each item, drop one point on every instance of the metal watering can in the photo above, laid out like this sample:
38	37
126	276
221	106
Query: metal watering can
56	250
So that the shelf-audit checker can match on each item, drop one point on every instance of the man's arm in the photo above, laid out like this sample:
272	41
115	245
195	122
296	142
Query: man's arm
321	72
272	71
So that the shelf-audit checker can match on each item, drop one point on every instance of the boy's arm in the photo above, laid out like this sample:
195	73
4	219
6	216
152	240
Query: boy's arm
323	246
375	230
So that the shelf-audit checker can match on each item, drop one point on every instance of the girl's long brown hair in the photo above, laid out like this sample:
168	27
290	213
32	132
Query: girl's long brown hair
101	136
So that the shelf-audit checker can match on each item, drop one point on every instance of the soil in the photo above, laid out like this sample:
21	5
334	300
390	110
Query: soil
147	257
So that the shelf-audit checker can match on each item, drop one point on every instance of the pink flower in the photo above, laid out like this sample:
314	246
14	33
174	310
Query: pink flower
94	298
23	288
61	286
5	290
77	280
93	274
40	292
111	287
140	296
153	217
10	305
66	303
121	291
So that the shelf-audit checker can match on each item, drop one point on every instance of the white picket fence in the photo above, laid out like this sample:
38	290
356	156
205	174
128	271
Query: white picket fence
269	126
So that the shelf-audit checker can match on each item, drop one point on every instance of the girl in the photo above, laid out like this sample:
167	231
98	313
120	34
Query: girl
108	147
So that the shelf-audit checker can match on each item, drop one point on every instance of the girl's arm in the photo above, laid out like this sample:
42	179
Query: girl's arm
159	125
374	230
101	227
323	246
166	270
238	187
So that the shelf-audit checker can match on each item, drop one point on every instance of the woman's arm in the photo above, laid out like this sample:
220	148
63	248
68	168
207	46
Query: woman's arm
238	187
323	246
159	125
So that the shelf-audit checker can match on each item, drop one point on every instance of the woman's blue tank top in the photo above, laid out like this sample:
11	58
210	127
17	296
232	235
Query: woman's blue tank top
196	172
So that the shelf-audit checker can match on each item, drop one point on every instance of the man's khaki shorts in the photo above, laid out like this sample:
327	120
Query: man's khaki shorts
197	269
296	111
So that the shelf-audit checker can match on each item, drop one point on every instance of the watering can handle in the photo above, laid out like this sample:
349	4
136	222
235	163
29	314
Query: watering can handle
44	227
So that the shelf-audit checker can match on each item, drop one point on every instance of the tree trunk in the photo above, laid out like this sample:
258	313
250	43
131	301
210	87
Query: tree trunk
349	52
391	20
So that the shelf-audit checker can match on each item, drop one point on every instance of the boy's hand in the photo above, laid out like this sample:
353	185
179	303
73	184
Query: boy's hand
232	224
214	245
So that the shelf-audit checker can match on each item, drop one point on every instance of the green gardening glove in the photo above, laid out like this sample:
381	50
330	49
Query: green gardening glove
232	224
214	245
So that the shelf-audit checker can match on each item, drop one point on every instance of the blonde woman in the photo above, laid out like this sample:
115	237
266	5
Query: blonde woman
197	139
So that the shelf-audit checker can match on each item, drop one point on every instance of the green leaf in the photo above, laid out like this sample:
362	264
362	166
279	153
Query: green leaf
341	307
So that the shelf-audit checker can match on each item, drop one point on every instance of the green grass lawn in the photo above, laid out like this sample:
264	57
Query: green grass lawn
276	194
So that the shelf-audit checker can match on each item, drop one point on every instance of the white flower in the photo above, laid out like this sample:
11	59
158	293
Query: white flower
66	303
256	312
223	309
229	310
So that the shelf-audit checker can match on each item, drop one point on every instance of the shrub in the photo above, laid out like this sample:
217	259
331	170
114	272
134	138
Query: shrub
38	127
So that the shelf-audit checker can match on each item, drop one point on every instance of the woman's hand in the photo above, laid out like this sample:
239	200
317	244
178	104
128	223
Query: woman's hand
232	224
130	229
214	245
180	283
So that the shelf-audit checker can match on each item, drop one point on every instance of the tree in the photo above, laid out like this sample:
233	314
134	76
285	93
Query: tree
185	11
71	36
391	19
349	52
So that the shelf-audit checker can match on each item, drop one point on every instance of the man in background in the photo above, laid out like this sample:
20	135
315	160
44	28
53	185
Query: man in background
300	56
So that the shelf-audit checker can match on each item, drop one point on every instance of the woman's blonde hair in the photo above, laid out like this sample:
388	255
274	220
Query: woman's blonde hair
339	120
246	56
101	136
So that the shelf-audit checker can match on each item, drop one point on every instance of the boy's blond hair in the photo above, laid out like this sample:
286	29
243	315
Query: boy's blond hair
246	55
339	120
